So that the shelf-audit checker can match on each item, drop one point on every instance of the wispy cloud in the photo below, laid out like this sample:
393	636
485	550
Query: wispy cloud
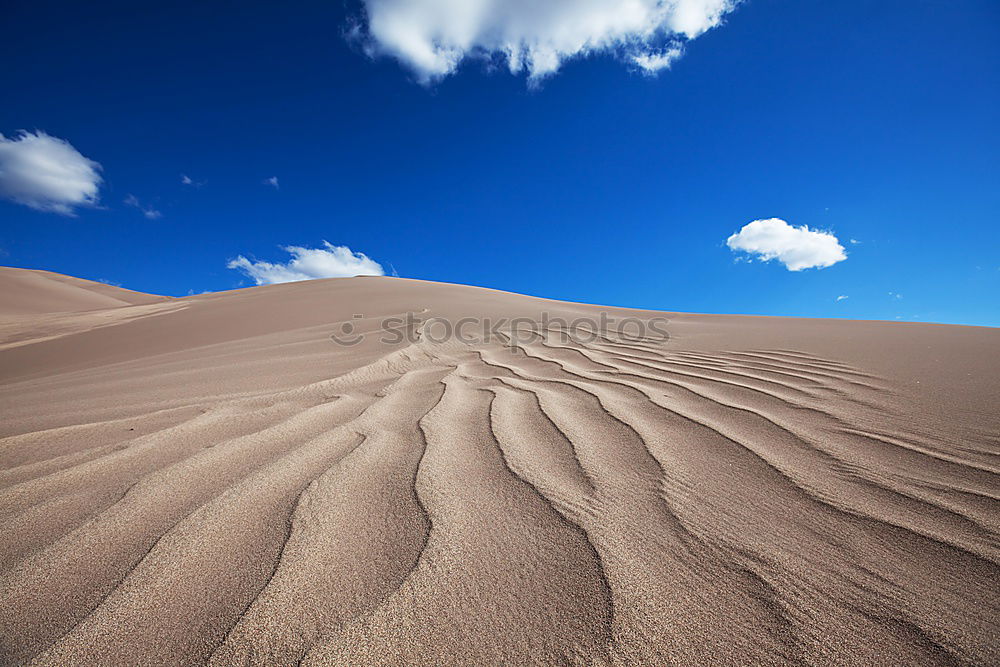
330	261
797	248
433	37
148	211
47	173
273	182
842	297
652	63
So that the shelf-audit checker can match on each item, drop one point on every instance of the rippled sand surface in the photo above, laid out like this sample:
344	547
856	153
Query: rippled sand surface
214	480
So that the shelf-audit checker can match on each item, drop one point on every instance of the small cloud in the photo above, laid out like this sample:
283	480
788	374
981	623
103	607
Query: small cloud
797	248
652	63
330	261
47	173
109	282
273	182
895	295
855	242
842	297
186	180
148	211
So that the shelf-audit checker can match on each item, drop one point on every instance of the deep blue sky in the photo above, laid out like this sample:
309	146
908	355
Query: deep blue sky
876	120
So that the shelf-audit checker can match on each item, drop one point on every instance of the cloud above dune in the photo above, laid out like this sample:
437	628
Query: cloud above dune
330	261
797	248
47	173
433	37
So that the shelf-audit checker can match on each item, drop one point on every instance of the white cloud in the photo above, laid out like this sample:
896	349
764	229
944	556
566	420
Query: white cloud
47	173
330	261
651	63
796	247
273	181
535	36
186	180
148	211
842	297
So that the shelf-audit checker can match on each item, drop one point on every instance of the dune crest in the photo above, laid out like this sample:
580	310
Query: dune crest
214	480
33	292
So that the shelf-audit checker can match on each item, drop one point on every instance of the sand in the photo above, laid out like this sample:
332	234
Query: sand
214	480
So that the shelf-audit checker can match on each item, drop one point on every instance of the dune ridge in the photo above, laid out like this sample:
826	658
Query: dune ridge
212	480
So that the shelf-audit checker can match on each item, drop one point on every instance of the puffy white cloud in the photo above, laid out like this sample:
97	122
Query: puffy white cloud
797	248
273	182
47	173
535	36
330	261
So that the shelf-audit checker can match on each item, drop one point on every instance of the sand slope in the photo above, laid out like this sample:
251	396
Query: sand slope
213	480
33	292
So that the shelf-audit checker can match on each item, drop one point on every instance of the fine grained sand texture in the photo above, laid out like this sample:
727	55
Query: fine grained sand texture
214	480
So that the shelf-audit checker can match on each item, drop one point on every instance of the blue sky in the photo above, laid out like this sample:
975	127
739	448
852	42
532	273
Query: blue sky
874	121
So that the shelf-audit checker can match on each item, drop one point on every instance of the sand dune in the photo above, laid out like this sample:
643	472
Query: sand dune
214	480
30	292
